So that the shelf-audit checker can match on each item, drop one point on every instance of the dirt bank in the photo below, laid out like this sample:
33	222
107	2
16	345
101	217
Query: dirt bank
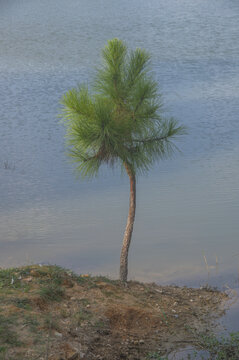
49	313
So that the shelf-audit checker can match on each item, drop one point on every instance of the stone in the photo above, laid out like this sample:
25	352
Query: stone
59	335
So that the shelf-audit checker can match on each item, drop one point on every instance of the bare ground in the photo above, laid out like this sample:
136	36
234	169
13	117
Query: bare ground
49	313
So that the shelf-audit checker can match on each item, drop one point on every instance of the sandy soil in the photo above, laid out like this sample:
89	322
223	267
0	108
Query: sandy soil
49	313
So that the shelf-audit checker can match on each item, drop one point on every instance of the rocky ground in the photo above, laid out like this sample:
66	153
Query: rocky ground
50	313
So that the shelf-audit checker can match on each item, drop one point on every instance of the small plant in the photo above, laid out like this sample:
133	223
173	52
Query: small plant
54	273
85	301
51	292
99	324
105	279
57	274
108	293
82	316
211	347
222	348
9	278
32	323
51	323
22	303
7	335
64	313
3	352
82	280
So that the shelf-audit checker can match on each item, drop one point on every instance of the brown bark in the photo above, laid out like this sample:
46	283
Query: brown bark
129	226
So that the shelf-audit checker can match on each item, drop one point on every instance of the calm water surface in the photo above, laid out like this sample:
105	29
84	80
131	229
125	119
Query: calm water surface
188	207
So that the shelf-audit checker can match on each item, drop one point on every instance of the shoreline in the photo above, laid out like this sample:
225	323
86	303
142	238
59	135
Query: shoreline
51	313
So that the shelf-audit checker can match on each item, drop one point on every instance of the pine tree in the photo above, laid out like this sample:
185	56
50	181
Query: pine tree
120	123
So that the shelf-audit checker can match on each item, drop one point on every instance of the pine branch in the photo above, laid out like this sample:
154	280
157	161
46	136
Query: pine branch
153	139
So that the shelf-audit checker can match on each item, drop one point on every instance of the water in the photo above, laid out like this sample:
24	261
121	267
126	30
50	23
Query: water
188	207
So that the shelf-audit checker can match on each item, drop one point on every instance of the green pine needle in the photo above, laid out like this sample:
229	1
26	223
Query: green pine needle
121	122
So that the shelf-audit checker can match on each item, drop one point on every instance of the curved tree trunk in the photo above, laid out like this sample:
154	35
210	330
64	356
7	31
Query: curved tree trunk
129	226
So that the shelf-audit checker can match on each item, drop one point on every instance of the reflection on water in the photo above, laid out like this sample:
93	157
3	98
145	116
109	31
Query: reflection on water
188	206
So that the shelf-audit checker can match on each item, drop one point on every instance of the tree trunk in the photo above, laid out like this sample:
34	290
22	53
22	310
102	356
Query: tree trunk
129	226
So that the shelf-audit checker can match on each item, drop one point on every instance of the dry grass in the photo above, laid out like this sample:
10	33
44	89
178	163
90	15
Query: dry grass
49	313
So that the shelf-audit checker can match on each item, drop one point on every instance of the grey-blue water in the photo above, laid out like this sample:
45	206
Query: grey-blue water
187	221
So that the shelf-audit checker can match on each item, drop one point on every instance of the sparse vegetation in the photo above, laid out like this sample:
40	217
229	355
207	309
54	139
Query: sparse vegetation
208	347
22	303
32	322
82	315
50	322
51	292
46	311
7	335
219	348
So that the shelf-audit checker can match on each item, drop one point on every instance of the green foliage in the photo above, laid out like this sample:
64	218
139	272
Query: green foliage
22	303
121	122
82	316
99	324
84	302
105	279
51	292
56	274
32	323
51	323
82	279
7	335
211	348
9	278
222	348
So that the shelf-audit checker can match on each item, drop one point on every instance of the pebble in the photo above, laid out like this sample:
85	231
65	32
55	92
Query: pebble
58	334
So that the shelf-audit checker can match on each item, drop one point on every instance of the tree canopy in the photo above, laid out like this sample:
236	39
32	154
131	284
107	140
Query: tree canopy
120	121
